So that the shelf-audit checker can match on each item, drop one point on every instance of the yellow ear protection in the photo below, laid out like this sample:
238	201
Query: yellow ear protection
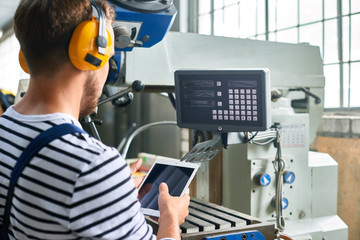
90	44
23	64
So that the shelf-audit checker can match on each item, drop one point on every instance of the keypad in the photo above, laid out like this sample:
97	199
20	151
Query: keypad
240	106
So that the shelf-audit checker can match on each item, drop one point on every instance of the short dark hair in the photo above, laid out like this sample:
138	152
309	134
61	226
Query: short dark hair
44	29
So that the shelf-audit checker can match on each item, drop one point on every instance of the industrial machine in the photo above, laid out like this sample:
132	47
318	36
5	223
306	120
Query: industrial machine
268	174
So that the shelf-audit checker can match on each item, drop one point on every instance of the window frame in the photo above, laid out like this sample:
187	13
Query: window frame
344	103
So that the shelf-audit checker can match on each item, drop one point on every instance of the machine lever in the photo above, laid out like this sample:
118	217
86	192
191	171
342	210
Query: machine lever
93	129
307	92
136	43
136	86
98	121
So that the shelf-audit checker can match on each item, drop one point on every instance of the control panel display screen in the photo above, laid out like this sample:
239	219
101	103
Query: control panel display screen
223	100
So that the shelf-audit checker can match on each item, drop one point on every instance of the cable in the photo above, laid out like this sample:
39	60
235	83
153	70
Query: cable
264	138
279	166
285	237
137	131
279	236
127	134
263	143
251	138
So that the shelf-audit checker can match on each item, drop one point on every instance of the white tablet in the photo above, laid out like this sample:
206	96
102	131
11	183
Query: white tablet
177	175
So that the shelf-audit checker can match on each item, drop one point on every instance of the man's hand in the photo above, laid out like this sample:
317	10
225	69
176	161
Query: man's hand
173	211
176	208
136	166
137	180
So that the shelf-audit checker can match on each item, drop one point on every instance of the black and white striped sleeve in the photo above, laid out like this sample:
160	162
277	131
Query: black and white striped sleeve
104	202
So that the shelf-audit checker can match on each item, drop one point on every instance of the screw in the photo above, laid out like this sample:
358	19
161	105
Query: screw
146	38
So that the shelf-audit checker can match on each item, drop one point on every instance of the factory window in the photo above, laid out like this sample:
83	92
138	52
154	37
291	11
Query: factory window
10	71
333	25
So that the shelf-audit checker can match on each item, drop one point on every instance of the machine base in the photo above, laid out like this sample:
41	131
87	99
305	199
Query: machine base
211	221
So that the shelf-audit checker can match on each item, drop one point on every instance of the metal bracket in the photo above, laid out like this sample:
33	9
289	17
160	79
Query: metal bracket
204	151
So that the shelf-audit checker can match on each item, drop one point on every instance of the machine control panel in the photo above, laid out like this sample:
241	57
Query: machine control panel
223	100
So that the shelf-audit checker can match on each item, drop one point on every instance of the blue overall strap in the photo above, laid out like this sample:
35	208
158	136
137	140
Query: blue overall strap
32	149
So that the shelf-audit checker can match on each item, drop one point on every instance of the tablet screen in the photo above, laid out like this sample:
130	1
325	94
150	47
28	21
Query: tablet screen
176	177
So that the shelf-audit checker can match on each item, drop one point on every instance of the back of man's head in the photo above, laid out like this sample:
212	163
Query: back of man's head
44	29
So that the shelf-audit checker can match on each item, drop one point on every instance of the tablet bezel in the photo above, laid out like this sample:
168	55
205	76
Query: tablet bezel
170	162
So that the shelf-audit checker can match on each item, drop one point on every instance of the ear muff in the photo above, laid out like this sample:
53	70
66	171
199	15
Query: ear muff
83	48
23	63
90	44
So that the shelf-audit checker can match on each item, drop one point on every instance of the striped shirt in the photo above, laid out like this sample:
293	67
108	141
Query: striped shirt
74	188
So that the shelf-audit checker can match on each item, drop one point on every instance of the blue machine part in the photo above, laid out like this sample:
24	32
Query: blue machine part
265	180
136	27
289	177
152	26
248	235
284	203
115	69
262	179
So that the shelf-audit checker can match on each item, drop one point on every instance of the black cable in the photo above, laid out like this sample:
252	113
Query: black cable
252	137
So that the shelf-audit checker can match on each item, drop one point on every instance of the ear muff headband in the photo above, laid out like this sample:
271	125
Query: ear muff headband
101	39
91	42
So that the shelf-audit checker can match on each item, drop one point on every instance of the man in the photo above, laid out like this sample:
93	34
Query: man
75	187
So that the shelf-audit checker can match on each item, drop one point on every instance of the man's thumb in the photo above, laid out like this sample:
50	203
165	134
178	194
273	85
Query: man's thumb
163	187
